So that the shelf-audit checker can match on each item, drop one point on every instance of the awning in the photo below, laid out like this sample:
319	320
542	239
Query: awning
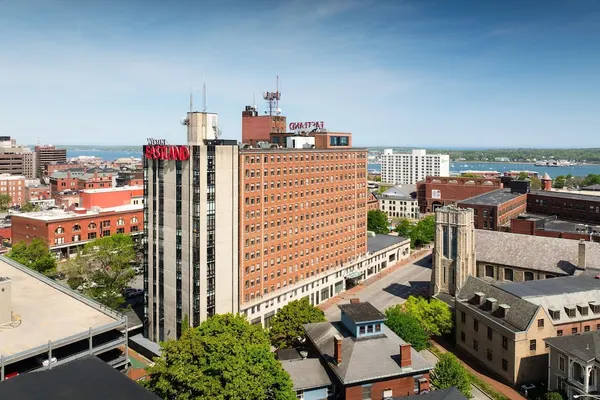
354	275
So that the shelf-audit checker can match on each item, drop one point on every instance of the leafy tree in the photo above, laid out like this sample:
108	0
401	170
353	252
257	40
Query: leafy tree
377	221
28	207
404	227
523	176
434	315
553	396
591	179
36	255
286	326
407	327
470	175
423	232
449	372
225	357
5	201
105	268
560	182
535	183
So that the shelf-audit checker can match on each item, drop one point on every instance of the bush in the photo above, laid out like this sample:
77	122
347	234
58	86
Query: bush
407	327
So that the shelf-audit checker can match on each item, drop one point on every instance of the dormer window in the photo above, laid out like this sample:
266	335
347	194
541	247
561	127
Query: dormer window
377	327
369	328
570	310
554	314
595	307
361	330
583	309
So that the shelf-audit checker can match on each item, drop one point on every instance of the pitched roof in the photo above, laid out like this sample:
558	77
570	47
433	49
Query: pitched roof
88	378
306	373
546	177
585	346
517	318
363	359
441	394
362	312
399	192
552	255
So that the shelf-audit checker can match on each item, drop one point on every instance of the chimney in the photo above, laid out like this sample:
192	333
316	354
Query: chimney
581	255
5	301
479	298
355	300
405	360
337	349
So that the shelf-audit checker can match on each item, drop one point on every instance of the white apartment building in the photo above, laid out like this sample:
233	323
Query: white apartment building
410	168
399	202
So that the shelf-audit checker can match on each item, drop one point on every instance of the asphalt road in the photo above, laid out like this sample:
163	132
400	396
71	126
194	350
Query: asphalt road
395	288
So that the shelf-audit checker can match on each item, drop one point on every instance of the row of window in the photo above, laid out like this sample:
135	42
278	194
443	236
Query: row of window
91	235
256	173
92	225
489	352
301	217
302	157
256	200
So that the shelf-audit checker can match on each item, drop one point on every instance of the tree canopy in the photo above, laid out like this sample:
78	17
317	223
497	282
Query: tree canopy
28	207
403	227
377	221
450	372
407	327
286	326
36	255
104	268
433	315
423	232
5	201
224	358
553	396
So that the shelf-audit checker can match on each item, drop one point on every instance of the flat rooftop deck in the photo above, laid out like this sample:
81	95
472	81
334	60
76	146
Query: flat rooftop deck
45	313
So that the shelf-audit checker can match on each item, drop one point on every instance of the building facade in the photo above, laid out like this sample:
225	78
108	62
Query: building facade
408	169
48	154
567	206
111	197
13	186
439	191
38	192
258	128
494	210
399	202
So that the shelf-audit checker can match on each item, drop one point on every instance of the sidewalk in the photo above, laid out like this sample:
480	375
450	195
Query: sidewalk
470	363
348	294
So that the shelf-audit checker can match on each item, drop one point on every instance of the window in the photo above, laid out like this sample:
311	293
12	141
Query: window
76	228
369	328
134	220
476	325
91	235
504	342
489	354
120	230
489	271
559	332
586	328
574	330
532	345
561	362
528	276
366	392
361	330
475	345
105	233
489	333
541	323
504	365
462	336
463	317
91	225
377	327
387	393
508	274
59	230
120	221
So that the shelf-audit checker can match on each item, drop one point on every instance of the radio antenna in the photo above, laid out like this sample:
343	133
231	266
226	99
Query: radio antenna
191	99
204	94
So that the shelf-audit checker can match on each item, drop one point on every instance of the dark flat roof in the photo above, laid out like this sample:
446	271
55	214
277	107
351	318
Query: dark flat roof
549	287
566	195
493	198
441	394
362	312
88	378
380	242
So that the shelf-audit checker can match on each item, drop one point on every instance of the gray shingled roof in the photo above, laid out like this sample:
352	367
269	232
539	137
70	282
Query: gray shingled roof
362	312
306	373
493	198
363	359
552	255
399	192
380	242
442	394
585	346
517	318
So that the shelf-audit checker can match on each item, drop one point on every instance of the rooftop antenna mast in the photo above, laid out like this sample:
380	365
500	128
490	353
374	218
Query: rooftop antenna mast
191	99
272	99
204	94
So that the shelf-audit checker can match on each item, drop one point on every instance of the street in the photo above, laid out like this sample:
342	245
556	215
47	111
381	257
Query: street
393	289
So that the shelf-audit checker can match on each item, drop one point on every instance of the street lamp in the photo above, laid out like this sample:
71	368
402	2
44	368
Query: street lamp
590	396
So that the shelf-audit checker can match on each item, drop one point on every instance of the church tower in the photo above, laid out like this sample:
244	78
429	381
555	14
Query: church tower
454	250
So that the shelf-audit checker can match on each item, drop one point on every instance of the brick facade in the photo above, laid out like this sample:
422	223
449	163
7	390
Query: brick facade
451	190
14	186
497	217
37	193
404	386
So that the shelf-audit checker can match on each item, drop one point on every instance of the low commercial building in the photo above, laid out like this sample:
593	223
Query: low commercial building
383	251
66	231
399	202
36	193
130	178
504	325
13	186
365	358
494	210
551	226
82	178
568	206
439	191
45	325
573	364
111	197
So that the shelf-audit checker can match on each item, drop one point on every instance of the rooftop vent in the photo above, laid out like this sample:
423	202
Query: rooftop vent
479	298
503	310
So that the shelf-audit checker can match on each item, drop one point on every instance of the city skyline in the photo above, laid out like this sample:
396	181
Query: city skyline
424	74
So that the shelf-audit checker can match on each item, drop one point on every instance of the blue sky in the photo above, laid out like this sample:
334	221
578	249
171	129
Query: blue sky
399	73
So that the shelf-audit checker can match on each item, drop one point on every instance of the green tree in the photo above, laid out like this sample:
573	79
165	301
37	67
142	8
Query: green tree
560	182
105	267
523	176
404	227
449	372
28	207
535	183
5	201
423	232
36	255
434	315
377	221
225	357
591	179
407	327
553	396
286	326
470	175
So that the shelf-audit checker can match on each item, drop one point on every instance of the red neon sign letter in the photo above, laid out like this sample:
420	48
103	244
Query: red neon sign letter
181	153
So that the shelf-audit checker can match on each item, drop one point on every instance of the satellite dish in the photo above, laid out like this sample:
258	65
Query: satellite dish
279	111
185	121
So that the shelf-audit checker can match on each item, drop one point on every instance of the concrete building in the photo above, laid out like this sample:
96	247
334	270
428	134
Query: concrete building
439	191
191	267
399	202
504	325
494	210
15	159
44	324
48	154
66	231
365	359
453	258
13	186
408	169
29	164
573	364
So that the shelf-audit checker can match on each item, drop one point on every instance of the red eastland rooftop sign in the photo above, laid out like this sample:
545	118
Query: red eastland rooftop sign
158	149
294	126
